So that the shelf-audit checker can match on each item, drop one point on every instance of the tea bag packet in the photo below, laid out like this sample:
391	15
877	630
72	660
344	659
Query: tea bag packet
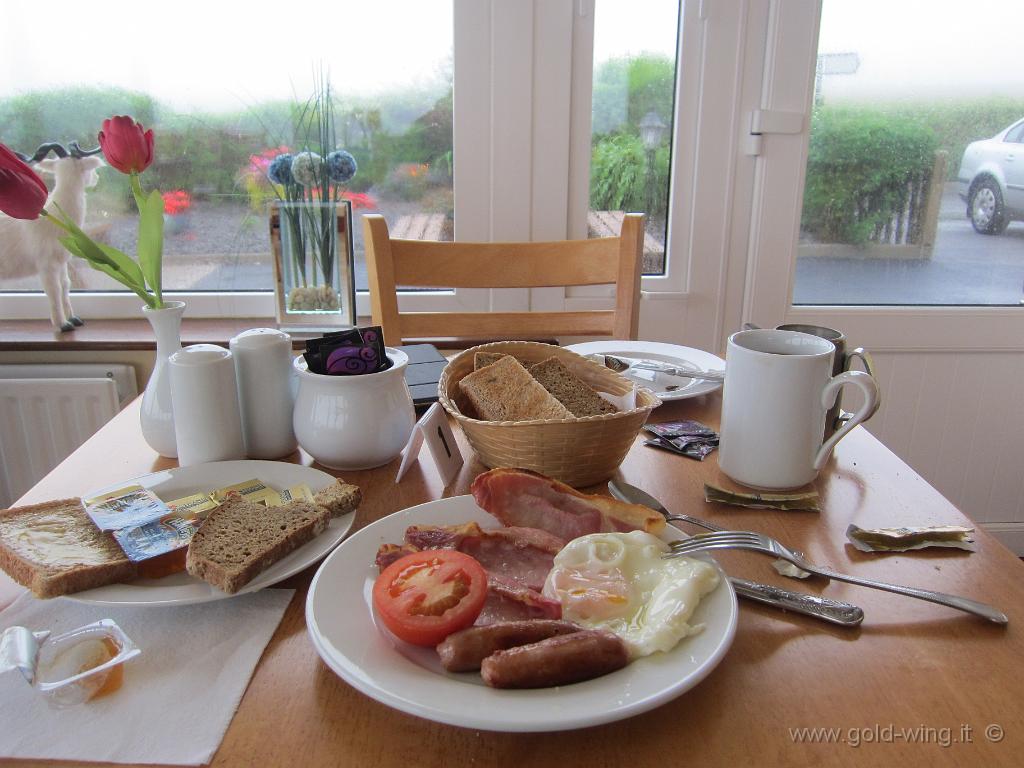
124	508
910	538
809	500
688	438
348	353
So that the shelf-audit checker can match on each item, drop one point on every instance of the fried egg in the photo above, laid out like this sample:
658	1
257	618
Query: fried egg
620	583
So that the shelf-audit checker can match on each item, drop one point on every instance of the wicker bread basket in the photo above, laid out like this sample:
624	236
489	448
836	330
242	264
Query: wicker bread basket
579	452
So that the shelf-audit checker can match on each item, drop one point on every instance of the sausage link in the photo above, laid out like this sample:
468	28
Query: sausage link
556	661
463	651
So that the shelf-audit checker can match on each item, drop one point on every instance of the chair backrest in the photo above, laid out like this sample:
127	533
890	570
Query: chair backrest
393	263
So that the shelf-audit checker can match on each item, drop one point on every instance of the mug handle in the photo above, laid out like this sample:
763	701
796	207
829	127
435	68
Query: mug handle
865	384
869	366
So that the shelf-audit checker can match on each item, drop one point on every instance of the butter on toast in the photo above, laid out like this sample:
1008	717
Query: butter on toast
54	549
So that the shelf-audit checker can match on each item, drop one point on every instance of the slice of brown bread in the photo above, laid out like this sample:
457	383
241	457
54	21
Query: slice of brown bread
483	359
505	391
339	498
569	389
55	549
241	539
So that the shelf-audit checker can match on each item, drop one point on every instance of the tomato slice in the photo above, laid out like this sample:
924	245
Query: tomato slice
424	597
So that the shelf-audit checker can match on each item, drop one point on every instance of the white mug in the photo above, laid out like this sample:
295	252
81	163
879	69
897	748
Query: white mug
778	388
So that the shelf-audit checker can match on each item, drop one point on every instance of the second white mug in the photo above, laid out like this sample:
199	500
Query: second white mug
778	388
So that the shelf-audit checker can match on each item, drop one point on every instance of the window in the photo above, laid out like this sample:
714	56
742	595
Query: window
909	200
633	113
220	85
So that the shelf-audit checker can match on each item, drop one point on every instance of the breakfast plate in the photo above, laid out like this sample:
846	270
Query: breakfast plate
182	588
687	358
346	634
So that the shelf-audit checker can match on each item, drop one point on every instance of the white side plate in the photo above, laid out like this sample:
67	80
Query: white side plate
687	358
181	588
342	627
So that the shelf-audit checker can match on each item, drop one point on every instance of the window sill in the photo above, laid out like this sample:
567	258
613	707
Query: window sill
136	334
129	334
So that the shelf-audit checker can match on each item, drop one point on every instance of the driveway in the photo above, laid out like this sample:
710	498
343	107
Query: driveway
965	268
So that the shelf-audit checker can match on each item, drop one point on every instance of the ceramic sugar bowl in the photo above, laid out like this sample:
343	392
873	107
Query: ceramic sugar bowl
354	422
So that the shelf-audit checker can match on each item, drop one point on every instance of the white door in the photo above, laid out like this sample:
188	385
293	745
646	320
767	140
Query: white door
946	329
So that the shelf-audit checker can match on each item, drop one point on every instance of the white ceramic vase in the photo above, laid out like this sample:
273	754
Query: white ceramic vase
354	422
157	416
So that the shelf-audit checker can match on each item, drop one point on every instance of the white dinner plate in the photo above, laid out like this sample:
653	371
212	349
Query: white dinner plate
181	588
344	631
687	358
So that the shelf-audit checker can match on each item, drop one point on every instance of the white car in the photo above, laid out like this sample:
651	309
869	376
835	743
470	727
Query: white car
992	180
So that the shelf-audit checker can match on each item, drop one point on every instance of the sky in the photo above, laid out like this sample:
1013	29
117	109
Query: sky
214	55
925	48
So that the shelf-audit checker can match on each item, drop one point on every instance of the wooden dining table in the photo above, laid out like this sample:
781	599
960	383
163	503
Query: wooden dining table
917	684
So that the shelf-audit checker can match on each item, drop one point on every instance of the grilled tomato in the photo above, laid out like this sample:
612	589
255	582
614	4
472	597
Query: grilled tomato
424	597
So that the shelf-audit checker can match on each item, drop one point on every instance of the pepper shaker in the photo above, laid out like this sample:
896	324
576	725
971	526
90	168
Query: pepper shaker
207	423
266	395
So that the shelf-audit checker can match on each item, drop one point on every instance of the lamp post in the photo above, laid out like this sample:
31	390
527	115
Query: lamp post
652	130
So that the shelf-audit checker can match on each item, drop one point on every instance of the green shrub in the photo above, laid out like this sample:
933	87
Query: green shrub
858	167
619	176
626	89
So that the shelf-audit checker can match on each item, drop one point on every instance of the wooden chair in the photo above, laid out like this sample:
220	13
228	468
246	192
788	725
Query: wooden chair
423	264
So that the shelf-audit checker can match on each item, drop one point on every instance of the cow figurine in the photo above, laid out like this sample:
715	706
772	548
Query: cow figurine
33	246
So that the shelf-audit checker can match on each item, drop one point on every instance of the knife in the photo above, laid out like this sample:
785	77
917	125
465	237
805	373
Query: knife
623	364
826	609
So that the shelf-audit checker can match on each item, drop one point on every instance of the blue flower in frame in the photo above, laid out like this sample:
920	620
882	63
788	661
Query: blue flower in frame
280	169
341	166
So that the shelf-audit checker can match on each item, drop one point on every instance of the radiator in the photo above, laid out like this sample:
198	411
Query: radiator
47	411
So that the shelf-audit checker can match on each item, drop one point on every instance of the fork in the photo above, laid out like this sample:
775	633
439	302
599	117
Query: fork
758	542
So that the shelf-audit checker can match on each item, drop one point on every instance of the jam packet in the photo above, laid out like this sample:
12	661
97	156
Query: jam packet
70	668
125	508
171	532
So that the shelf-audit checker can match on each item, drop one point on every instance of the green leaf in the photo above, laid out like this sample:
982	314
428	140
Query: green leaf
151	243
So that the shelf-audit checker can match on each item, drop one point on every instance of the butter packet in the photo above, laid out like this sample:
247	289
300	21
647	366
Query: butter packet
809	500
909	538
253	490
295	493
125	508
172	531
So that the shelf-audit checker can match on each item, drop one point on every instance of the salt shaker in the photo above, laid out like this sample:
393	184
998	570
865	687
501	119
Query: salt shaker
207	423
266	398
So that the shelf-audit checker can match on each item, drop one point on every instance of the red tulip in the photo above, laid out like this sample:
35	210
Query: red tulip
126	144
22	191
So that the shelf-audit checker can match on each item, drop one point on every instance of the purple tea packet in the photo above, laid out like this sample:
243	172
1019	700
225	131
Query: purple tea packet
315	361
342	357
694	449
687	428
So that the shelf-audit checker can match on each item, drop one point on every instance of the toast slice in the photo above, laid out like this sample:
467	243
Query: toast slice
483	359
505	391
569	389
241	539
55	549
340	498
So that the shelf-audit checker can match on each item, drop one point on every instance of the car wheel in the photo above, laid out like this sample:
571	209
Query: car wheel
985	207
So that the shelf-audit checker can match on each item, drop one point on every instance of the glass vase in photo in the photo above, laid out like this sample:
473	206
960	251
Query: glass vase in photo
312	245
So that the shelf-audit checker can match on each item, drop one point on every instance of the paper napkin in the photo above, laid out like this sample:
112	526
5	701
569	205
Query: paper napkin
178	696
